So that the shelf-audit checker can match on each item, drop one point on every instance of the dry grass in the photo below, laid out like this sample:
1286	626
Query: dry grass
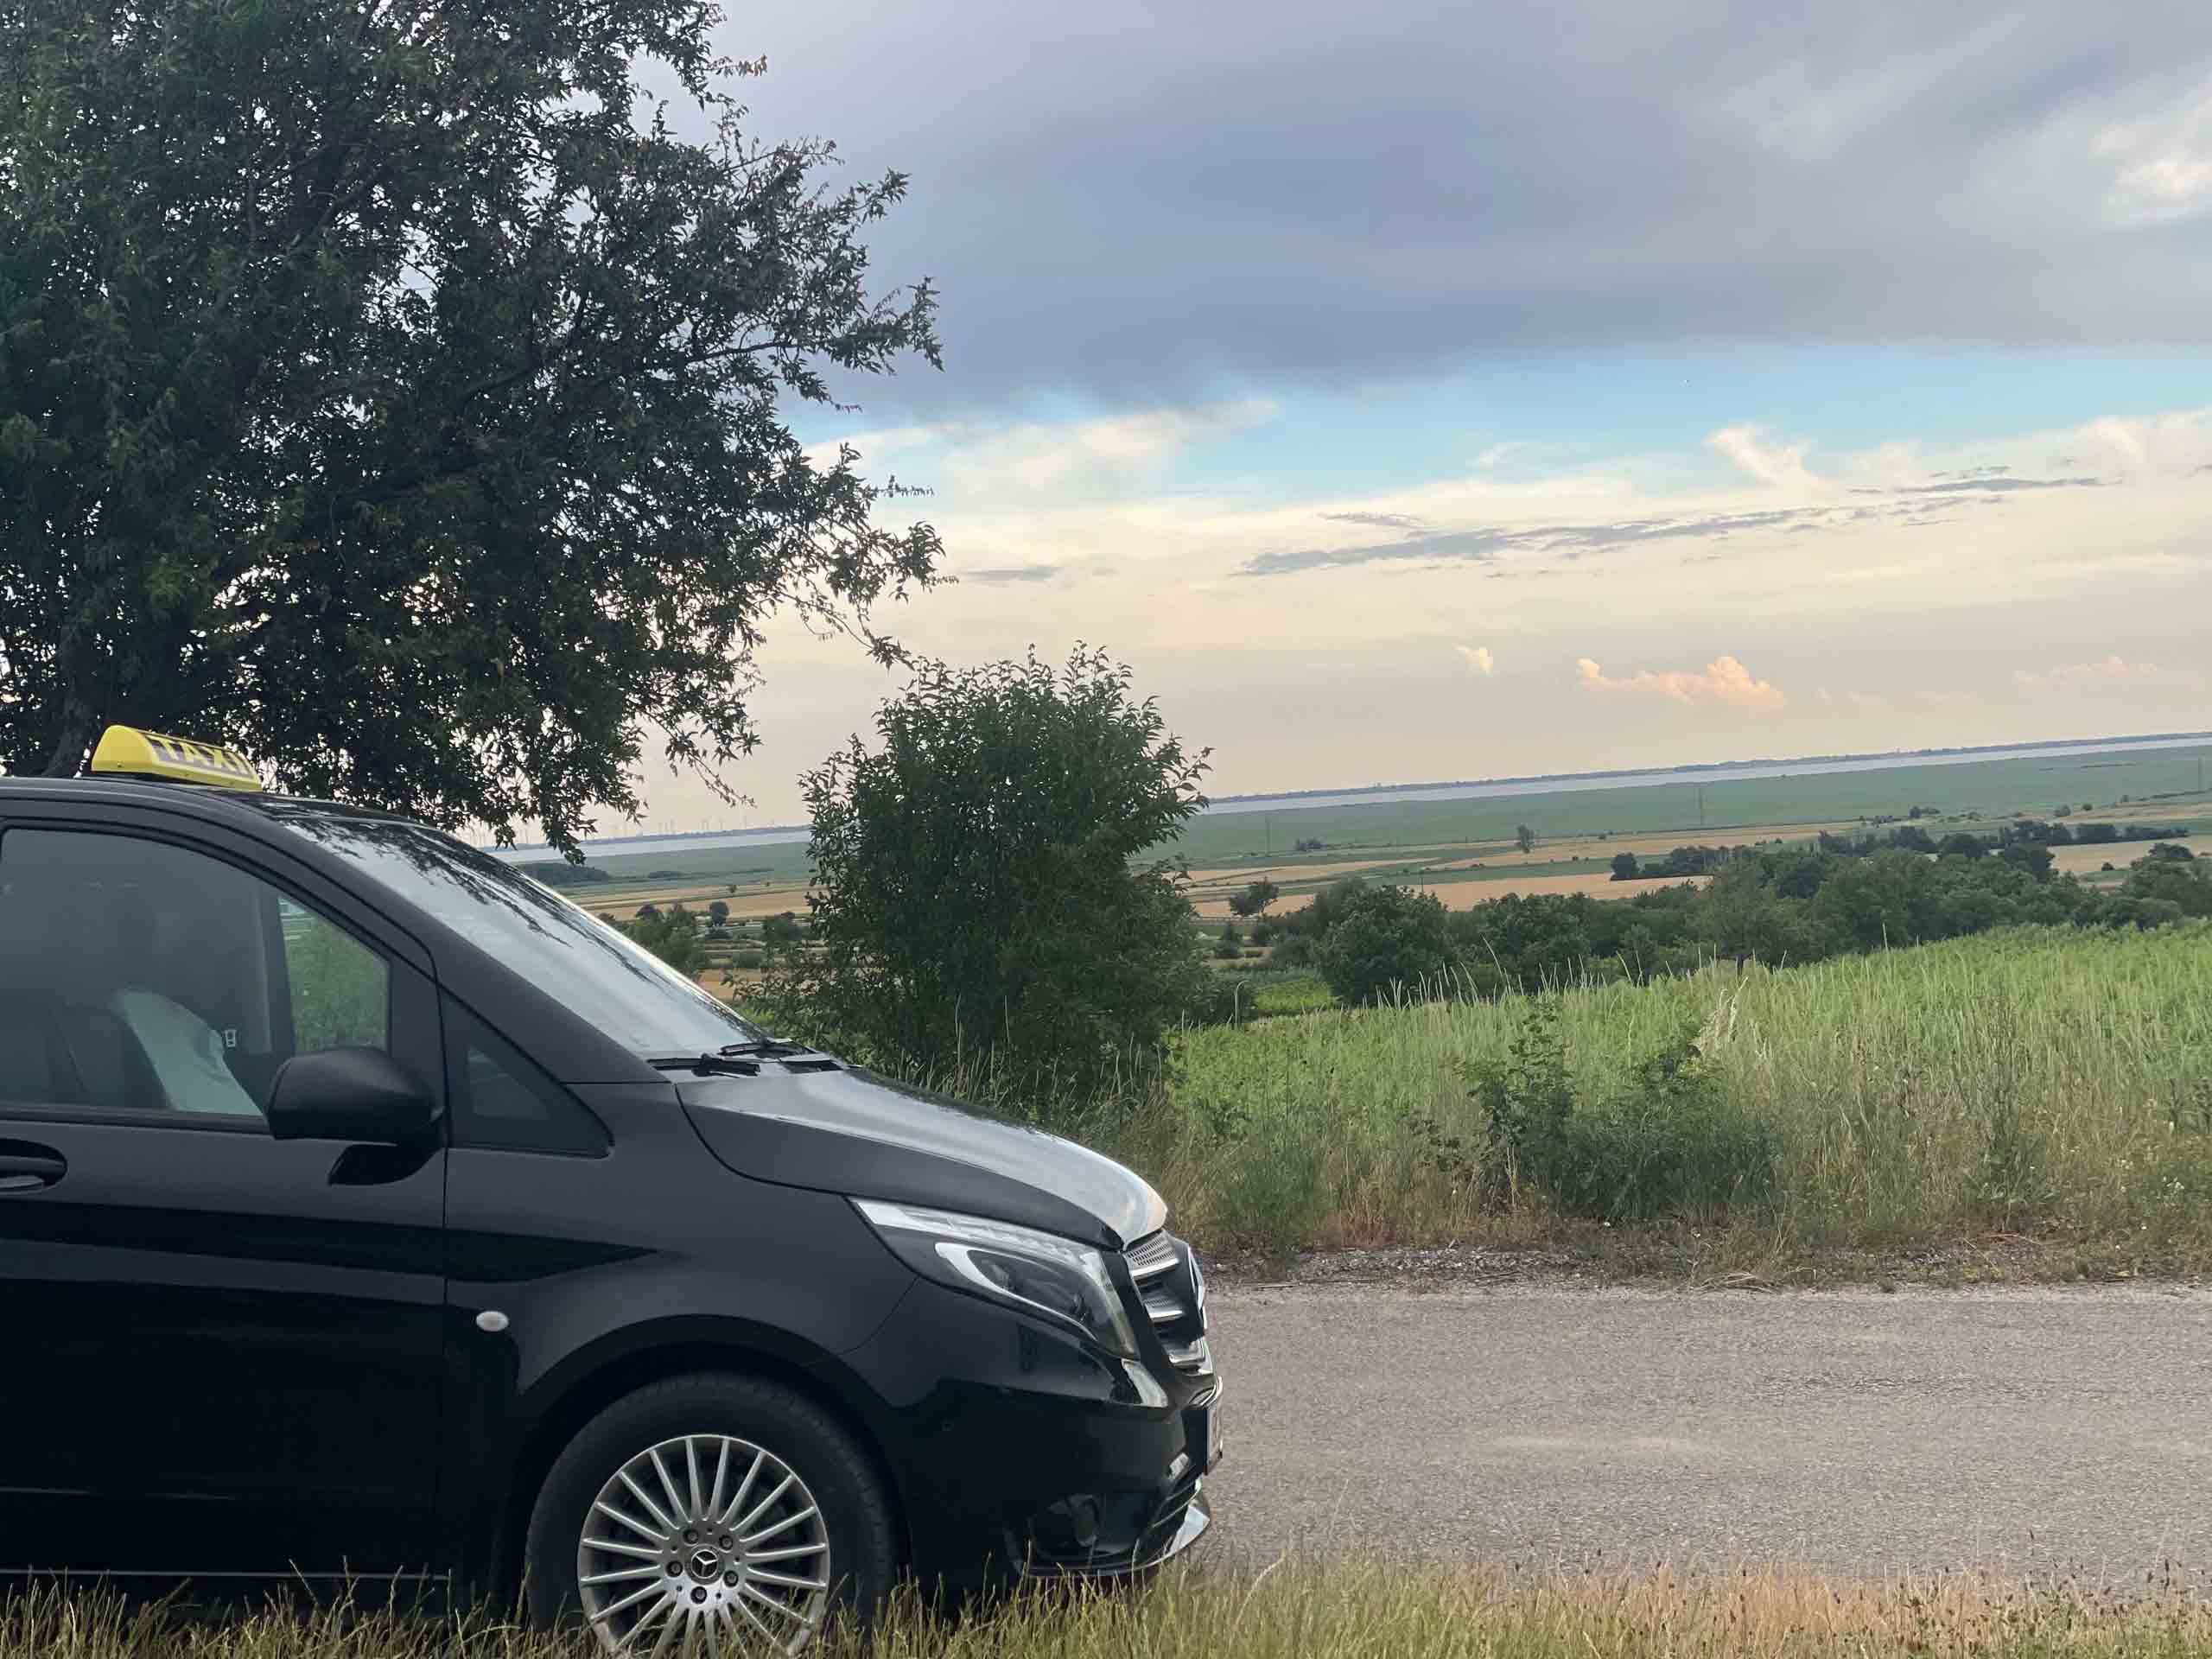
2089	860
1296	1610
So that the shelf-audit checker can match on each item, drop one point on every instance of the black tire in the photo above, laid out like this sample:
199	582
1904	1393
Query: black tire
855	1512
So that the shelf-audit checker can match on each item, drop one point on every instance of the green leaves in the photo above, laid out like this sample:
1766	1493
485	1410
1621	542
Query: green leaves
392	392
975	891
1388	944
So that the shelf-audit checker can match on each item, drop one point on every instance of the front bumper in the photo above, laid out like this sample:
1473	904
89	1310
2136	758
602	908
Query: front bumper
1021	1451
1132	1540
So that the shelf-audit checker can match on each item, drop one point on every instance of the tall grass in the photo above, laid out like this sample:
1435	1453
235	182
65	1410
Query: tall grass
2054	1084
1293	1610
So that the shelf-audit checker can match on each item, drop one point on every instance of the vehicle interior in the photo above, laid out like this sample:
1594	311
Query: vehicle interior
129	971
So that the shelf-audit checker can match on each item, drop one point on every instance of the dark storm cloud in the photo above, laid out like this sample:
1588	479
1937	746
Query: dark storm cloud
1140	201
1012	572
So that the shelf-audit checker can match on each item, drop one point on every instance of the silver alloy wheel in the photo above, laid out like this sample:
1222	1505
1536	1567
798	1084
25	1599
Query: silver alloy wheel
704	1544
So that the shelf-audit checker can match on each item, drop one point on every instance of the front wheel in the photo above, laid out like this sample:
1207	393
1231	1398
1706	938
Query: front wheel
720	1514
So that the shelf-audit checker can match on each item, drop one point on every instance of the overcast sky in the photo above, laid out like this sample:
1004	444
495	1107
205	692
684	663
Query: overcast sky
1445	392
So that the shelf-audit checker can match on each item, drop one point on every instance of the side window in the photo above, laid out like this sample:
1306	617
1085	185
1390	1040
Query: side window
500	1100
340	989
139	975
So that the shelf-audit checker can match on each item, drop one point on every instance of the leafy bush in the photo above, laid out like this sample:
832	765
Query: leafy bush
1390	942
1666	1141
748	958
1255	897
982	889
2182	885
672	935
1327	908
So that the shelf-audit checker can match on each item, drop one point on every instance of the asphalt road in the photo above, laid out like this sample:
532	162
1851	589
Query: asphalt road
1845	1431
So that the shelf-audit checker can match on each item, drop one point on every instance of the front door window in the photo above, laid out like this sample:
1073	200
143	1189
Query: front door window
143	977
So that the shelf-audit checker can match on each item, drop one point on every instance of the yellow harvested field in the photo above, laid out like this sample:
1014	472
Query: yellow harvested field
747	903
2089	860
1465	895
1566	847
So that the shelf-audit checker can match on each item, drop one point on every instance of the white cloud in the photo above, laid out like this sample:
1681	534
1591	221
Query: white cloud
1037	458
2110	669
2174	445
1723	680
2161	164
1762	463
986	464
874	447
1497	453
1478	658
1931	602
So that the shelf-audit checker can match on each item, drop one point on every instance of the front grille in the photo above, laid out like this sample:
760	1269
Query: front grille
1173	1289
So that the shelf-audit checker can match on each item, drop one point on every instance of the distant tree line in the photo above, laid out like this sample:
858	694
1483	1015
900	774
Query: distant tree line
1842	895
559	873
1685	861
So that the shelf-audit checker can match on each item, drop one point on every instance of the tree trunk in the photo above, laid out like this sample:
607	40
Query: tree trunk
76	742
80	719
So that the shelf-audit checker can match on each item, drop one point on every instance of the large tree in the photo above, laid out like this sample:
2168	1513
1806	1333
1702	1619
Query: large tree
388	388
993	876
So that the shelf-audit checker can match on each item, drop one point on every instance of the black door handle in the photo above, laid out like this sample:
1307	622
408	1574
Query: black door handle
26	1169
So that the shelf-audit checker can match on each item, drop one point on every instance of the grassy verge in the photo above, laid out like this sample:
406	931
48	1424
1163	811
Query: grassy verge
1301	1609
2048	1093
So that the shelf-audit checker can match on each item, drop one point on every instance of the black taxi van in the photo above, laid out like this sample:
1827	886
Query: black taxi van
369	1212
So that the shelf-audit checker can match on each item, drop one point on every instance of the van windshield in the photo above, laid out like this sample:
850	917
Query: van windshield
594	971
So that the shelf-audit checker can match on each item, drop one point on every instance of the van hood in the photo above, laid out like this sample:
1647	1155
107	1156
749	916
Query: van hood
851	1131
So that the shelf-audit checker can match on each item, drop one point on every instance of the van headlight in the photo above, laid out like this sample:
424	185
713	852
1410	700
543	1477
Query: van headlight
1041	1272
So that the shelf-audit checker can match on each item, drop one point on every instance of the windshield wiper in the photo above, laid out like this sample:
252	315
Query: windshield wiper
730	1066
731	1059
766	1048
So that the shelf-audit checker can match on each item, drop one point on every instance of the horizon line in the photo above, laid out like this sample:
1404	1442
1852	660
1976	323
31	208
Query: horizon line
1296	795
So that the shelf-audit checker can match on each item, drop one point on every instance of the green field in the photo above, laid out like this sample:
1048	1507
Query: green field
2047	1086
1990	787
776	861
1440	829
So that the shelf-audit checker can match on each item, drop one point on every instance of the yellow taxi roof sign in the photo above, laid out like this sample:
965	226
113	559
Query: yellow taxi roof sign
127	751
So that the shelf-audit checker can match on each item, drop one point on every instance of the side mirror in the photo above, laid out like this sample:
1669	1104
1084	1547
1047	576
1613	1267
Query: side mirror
361	1094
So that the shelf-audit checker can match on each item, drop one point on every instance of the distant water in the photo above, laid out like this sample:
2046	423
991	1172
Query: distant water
782	835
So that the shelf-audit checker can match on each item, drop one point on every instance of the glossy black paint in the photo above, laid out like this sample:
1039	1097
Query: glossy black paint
851	1131
223	1358
269	1354
359	1095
